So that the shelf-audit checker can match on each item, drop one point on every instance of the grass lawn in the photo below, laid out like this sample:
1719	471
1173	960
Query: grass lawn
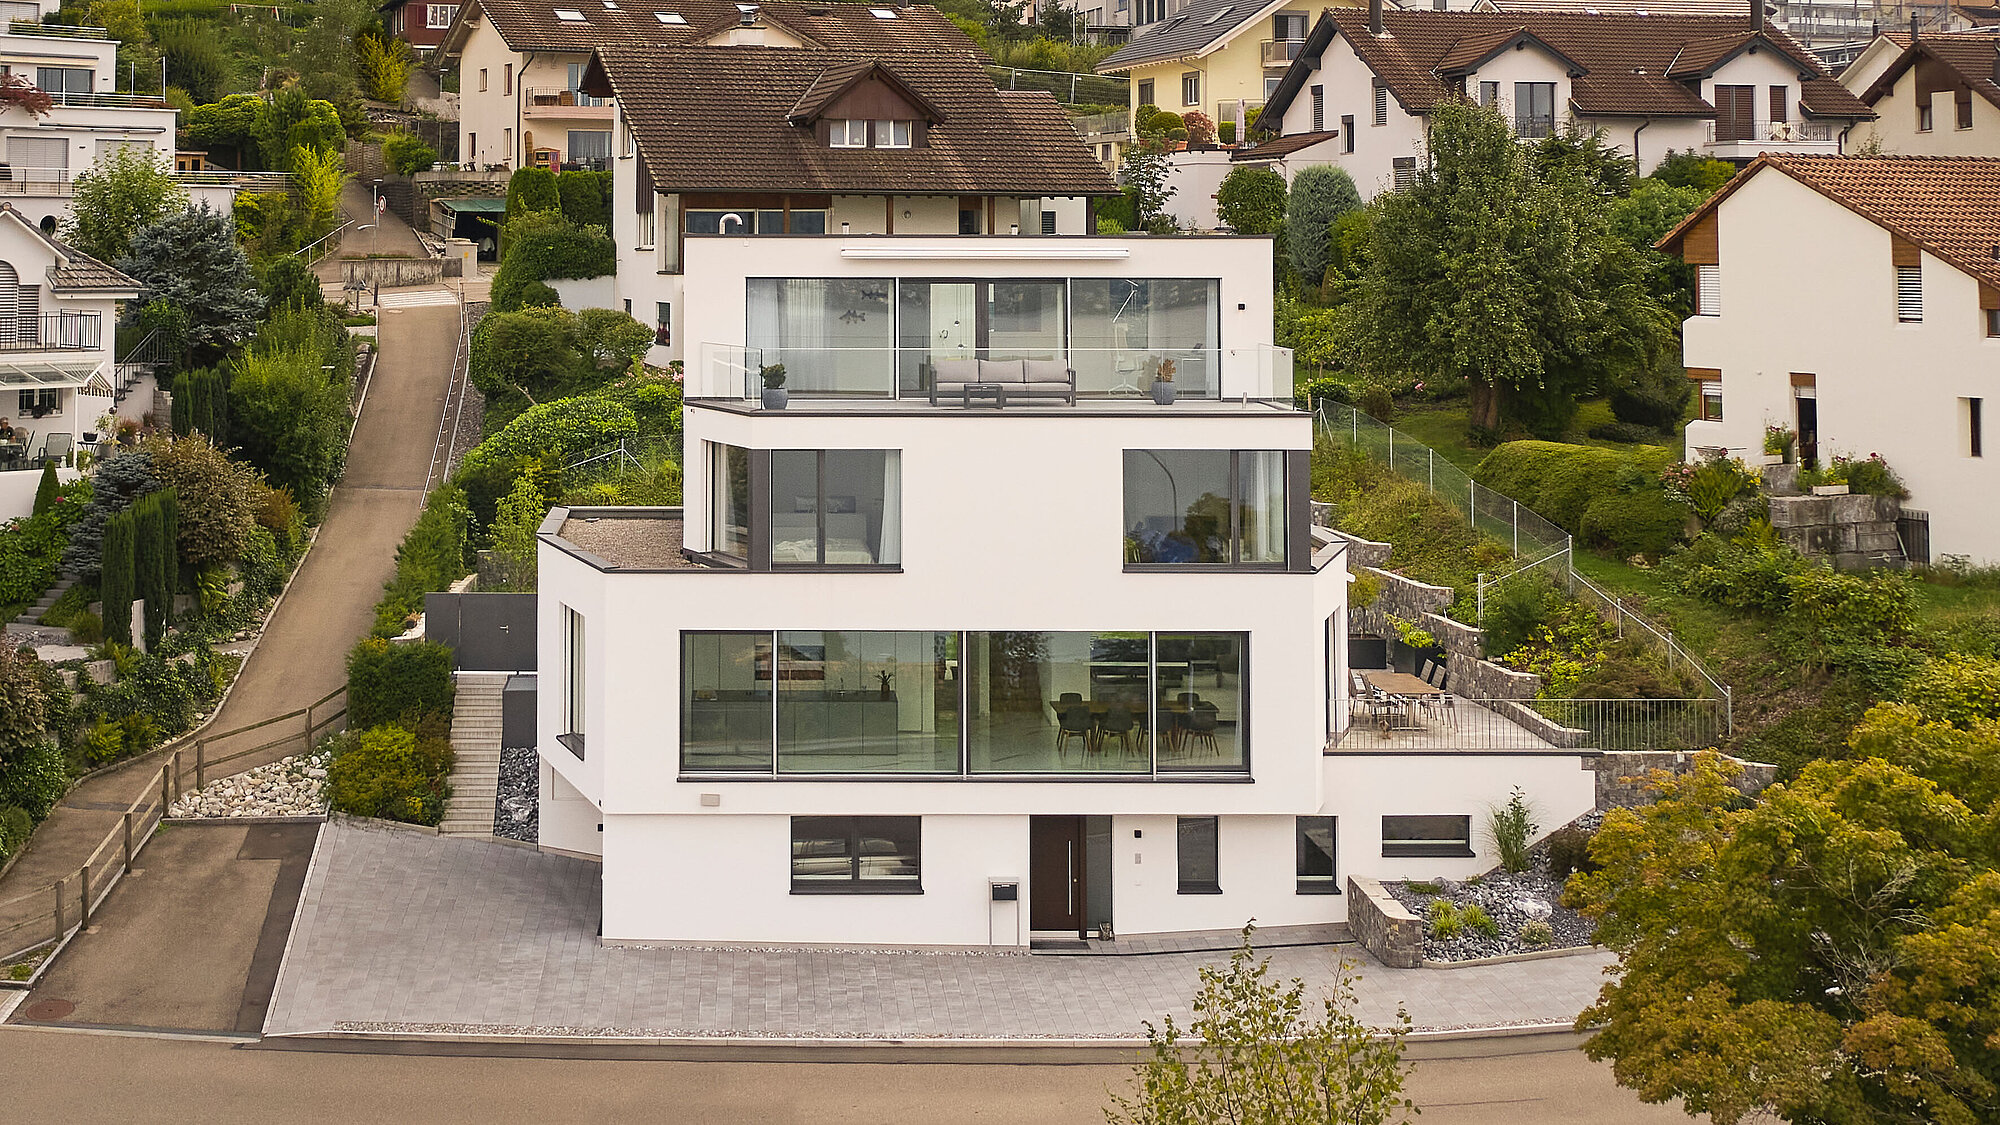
1441	425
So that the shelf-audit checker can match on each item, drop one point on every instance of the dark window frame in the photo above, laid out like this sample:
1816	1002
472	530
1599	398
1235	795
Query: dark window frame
1433	846
1314	884
856	827
1236	499
1347	132
1182	884
820	505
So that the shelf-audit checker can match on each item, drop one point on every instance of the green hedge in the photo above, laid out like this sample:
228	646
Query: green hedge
389	772
542	247
1609	498
397	683
554	431
586	197
118	585
430	558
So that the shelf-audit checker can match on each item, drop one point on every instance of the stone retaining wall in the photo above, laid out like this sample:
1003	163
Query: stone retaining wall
389	272
1621	775
1383	926
1854	532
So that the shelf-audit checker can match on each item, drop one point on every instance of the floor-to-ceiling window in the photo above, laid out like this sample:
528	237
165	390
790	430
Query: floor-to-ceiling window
867	702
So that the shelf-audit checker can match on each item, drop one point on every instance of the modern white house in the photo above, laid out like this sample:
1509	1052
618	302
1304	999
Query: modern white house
1727	86
823	141
40	156
972	640
1939	96
521	62
1895	261
58	313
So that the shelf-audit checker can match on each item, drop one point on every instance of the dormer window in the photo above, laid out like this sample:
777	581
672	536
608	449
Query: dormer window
569	15
853	133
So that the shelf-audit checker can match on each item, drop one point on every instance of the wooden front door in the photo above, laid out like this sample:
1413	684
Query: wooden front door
1055	873
1735	113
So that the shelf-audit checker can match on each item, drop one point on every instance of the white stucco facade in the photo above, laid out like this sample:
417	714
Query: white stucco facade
1899	126
1790	256
511	99
1014	521
90	118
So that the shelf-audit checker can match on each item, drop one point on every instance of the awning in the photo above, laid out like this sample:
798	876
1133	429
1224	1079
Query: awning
42	376
474	205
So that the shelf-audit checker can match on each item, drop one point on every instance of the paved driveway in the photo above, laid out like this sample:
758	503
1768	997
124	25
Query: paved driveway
406	931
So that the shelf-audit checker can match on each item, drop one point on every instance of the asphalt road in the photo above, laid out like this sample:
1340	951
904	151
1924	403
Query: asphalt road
141	1079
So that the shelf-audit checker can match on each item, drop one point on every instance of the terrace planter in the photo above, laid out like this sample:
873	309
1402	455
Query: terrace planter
775	398
1404	658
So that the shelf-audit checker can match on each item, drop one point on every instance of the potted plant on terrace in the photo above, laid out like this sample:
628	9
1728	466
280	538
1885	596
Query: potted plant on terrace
1163	383
775	395
1778	443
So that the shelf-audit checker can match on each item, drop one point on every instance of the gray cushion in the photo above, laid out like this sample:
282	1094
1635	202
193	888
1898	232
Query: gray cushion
957	371
1046	371
1000	371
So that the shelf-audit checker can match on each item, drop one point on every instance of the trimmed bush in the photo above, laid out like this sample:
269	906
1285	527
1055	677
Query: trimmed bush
15	828
1569	852
152	563
546	246
430	558
407	154
585	197
118	585
1251	200
47	490
1642	522
35	780
1561	481
389	772
402	683
201	403
554	431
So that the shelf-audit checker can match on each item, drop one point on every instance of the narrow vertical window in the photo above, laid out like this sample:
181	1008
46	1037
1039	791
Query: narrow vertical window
1197	849
1992	321
1708	290
507	79
1319	109
1315	856
1975	437
1347	132
1381	103
1780	108
1048	222
1489	93
573	682
1191	88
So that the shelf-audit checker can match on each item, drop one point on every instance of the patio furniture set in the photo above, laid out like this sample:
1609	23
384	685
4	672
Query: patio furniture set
1398	701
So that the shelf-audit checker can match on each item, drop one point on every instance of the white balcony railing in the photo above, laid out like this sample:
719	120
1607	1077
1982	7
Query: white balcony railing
554	98
1770	132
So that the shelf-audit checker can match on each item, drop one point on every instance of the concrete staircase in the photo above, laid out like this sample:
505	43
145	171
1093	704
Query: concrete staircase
33	614
475	742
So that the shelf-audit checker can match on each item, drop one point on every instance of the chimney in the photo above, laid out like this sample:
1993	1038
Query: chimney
1913	29
1756	16
1375	16
746	14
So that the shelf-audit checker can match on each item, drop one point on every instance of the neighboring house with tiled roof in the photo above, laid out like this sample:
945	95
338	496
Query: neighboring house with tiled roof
520	61
1212	54
1730	87
764	140
58	320
1939	96
1856	300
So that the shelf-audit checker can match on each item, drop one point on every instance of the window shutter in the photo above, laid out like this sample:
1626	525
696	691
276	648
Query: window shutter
1909	293
1381	103
1708	290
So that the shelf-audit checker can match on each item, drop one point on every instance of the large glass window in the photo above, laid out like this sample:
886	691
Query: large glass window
857	855
1198	852
941	321
729	504
836	507
1205	507
1124	331
573	673
726	702
1200	680
1057	702
834	336
867	702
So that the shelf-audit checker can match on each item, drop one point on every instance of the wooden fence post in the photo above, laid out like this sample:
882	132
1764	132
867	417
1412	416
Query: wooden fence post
84	877
166	772
200	763
128	842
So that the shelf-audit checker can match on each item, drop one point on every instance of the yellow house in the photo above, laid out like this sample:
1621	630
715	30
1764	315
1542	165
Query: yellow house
1214	53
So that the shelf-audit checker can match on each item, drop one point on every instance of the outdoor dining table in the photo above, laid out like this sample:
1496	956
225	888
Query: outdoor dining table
1404	690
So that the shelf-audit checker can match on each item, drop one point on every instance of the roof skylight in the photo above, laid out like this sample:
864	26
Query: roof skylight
570	15
882	13
674	18
610	5
1220	12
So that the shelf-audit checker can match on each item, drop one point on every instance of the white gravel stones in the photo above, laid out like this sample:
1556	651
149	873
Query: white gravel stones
294	786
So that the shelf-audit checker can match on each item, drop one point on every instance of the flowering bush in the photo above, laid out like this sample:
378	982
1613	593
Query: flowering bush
17	92
1200	127
1778	441
1869	475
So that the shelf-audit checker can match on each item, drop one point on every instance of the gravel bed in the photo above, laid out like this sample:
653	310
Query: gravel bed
294	786
472	417
516	809
1511	900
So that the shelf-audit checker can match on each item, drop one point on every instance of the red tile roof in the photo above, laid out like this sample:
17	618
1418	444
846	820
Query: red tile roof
1949	205
1626	59
710	119
532	25
1278	147
1974	55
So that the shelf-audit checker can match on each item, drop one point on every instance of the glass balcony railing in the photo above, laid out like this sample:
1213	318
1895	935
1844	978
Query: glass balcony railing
912	372
1281	52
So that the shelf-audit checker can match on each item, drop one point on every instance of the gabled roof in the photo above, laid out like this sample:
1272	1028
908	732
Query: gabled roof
534	25
1949	205
1620	62
72	270
840	77
1973	55
1196	29
713	119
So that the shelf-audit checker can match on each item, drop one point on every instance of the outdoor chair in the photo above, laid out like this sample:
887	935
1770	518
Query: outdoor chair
56	446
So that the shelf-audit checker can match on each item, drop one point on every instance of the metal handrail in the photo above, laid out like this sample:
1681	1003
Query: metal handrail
56	30
59	331
326	244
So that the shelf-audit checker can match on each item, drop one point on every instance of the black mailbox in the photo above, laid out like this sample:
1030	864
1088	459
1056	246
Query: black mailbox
1005	892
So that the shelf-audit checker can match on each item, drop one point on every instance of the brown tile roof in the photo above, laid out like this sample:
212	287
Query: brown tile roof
1625	59
72	268
719	119
1949	205
1186	33
1632	7
1282	146
1974	55
532	25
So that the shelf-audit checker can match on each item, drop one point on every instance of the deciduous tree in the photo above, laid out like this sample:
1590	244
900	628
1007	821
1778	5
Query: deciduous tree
127	189
1251	200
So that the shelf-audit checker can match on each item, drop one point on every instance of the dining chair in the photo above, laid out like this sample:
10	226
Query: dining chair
1067	698
1202	724
1074	723
1424	673
1118	722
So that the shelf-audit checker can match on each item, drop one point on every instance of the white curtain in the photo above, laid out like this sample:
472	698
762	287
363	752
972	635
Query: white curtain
1263	488
891	550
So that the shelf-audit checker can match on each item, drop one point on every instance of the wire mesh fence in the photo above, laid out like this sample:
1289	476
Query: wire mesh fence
1068	87
1538	545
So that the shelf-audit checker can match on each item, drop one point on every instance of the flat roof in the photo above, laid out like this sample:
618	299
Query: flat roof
640	539
484	204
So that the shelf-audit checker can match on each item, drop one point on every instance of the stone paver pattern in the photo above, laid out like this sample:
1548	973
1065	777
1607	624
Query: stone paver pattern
405	931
